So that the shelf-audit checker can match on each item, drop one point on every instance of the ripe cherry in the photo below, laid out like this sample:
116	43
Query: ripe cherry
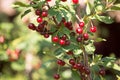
87	71
60	62
55	39
85	36
48	0
44	14
93	29
79	39
63	0
38	12
56	76
31	26
46	35
75	1
79	30
81	24
72	61
64	37
39	19
62	42
75	66
102	72
70	52
67	42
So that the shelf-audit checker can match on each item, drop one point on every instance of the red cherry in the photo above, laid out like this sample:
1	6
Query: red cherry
31	26
56	76
55	39
87	71
37	12
79	39
44	14
64	0
39	19
85	36
61	62
79	30
46	35
64	37
93	29
62	42
102	72
81	24
74	66
70	52
67	42
48	0
72	61
75	1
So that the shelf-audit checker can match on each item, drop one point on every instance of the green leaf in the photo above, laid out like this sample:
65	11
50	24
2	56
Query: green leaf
97	58
52	12
105	19
75	75
59	51
115	7
88	8
26	12
59	17
99	39
18	3
90	48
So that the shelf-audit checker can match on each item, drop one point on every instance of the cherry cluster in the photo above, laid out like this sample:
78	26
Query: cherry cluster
79	33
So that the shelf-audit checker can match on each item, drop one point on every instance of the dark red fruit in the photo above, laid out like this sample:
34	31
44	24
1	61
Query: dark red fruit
63	0
68	24
74	66
75	1
81	24
55	39
93	29
85	36
62	42
44	14
72	61
79	30
70	52
31	26
60	62
40	26
56	76
79	65
102	72
87	71
48	0
46	35
38	12
64	37
39	19
67	42
79	39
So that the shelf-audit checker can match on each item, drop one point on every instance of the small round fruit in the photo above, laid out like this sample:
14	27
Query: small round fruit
87	71
79	30
81	24
74	66
39	19
63	0
56	76
93	29
64	37
62	42
67	42
60	62
46	35
102	72
85	36
79	39
70	52
38	12
44	14
75	1
31	26
55	39
48	0
72	61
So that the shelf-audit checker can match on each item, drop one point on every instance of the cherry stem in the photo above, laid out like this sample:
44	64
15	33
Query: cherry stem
52	16
91	23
